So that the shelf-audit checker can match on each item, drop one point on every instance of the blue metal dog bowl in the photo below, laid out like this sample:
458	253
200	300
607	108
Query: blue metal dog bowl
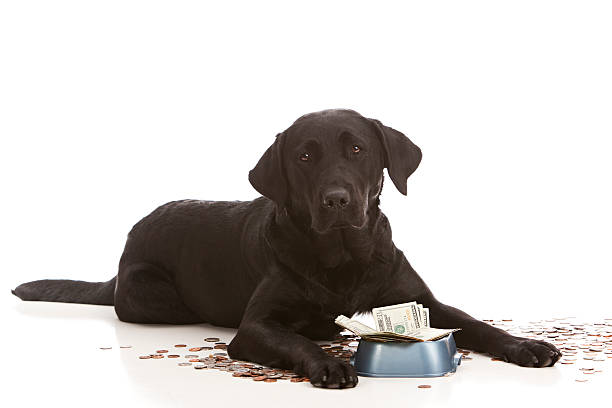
397	359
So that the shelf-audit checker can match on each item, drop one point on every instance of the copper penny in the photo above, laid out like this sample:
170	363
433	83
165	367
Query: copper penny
260	378
180	345
161	351
173	356
270	380
424	386
144	357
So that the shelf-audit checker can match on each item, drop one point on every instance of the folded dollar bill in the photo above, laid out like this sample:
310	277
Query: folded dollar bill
414	334
401	318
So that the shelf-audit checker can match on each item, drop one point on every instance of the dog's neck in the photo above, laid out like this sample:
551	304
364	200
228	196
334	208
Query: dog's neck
332	249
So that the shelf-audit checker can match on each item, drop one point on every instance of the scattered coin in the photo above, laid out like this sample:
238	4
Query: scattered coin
161	351
269	380
184	364
211	339
173	356
424	386
180	345
125	347
105	348
144	357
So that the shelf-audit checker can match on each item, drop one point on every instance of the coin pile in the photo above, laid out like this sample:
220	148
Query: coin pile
341	347
580	343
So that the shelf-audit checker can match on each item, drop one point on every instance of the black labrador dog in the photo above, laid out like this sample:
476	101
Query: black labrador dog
280	268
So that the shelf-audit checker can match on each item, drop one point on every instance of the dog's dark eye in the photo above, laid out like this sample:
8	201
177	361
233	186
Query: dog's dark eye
304	156
356	149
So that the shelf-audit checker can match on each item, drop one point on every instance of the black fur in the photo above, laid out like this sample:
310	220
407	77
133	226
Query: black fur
68	291
283	266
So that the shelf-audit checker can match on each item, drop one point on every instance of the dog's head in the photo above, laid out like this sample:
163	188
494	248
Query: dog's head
327	168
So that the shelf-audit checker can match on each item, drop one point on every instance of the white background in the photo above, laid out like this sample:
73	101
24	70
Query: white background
109	109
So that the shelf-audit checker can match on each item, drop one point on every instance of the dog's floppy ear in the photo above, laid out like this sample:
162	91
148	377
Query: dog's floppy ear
268	176
402	157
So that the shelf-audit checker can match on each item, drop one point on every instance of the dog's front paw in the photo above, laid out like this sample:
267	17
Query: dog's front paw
531	353
331	373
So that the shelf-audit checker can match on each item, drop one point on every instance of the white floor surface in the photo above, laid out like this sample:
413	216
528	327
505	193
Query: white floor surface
53	358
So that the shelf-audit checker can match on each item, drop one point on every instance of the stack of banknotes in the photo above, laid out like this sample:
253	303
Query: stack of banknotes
403	322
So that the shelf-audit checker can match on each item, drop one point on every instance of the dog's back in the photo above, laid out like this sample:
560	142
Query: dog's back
211	251
201	245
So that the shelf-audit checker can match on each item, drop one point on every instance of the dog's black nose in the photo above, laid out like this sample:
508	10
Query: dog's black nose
336	198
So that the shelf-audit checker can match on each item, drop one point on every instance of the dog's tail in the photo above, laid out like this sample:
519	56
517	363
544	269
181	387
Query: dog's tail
68	291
